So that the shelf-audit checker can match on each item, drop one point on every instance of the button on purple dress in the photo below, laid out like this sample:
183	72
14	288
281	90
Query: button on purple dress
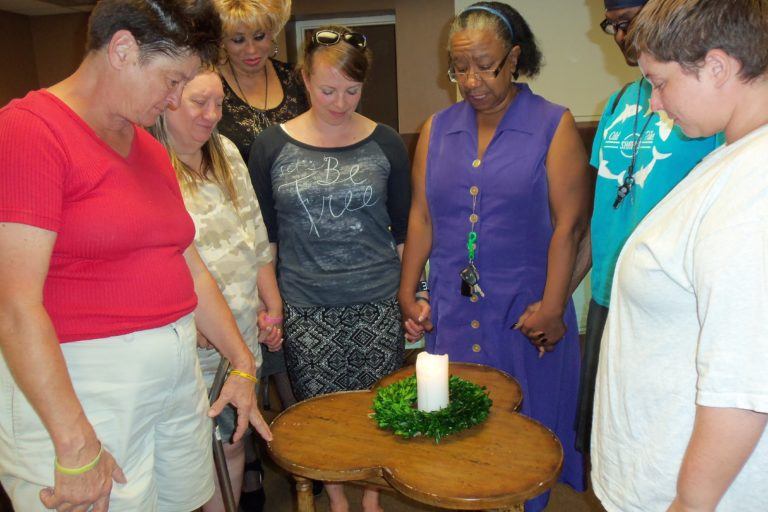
514	230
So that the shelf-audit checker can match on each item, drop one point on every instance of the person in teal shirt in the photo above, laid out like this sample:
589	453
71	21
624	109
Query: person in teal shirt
639	155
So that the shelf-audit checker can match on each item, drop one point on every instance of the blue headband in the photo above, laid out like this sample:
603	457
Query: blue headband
611	5
493	11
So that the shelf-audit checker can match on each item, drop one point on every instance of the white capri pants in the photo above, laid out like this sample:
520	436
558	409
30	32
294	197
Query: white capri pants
144	395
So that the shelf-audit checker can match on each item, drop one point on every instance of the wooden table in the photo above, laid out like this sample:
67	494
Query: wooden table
494	466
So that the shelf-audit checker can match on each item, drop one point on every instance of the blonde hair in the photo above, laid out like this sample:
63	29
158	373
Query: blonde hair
267	15
215	167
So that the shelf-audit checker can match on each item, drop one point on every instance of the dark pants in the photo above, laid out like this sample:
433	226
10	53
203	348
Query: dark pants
596	318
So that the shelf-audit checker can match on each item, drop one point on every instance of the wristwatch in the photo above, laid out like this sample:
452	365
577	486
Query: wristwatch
422	287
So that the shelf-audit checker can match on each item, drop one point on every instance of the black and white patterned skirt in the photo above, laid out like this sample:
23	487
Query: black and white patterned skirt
342	348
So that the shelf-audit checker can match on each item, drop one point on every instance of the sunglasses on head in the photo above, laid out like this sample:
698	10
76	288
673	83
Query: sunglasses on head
332	37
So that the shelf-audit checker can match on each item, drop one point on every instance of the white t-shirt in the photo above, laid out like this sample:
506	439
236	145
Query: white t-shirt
688	326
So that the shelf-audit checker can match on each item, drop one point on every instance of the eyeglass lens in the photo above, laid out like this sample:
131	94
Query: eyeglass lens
613	27
355	39
484	74
326	37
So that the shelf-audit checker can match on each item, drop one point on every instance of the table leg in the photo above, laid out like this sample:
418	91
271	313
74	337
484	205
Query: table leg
305	498
516	508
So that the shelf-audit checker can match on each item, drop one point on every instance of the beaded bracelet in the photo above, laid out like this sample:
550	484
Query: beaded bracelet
82	469
244	375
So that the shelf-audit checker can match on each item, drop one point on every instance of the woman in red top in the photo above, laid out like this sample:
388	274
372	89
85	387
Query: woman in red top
99	280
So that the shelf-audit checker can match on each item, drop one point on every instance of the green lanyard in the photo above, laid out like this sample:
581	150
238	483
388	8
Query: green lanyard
472	235
471	244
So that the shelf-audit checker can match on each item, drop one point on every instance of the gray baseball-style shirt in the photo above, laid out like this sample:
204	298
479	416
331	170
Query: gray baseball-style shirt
336	214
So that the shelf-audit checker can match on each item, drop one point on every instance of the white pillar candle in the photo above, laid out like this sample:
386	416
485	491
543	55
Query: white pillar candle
432	381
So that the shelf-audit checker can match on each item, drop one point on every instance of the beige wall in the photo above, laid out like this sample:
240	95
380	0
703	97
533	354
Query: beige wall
17	57
421	31
583	66
422	83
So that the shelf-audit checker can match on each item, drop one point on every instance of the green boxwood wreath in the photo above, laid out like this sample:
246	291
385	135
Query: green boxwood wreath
394	408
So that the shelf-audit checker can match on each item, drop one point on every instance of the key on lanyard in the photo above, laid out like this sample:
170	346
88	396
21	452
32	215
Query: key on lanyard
470	277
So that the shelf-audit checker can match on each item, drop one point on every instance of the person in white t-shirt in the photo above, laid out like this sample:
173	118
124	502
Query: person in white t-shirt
682	389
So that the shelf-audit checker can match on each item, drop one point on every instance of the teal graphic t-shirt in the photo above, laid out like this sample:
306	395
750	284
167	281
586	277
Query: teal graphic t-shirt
664	156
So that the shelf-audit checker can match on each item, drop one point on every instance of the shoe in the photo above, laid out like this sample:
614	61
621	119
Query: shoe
253	501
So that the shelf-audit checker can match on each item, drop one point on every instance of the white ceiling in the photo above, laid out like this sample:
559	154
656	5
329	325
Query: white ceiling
43	7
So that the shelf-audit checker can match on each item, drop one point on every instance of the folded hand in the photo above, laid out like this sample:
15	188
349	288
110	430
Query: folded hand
416	319
542	327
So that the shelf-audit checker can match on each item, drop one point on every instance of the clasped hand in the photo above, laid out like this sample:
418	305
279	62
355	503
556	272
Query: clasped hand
270	333
543	328
417	318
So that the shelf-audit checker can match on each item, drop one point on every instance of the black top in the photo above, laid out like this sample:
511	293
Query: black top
240	122
337	214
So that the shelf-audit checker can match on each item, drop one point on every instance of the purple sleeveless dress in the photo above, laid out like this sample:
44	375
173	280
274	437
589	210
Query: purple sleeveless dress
514	230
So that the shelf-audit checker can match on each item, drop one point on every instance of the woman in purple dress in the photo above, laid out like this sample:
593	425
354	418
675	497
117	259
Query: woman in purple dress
500	205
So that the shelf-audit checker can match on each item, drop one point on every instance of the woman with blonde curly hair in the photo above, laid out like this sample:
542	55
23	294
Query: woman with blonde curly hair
259	90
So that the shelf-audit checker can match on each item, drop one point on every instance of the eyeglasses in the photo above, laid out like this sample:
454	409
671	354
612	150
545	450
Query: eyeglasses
331	37
613	27
484	74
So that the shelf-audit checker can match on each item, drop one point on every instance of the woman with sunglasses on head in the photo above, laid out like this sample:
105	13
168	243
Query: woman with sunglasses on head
500	206
229	236
333	188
